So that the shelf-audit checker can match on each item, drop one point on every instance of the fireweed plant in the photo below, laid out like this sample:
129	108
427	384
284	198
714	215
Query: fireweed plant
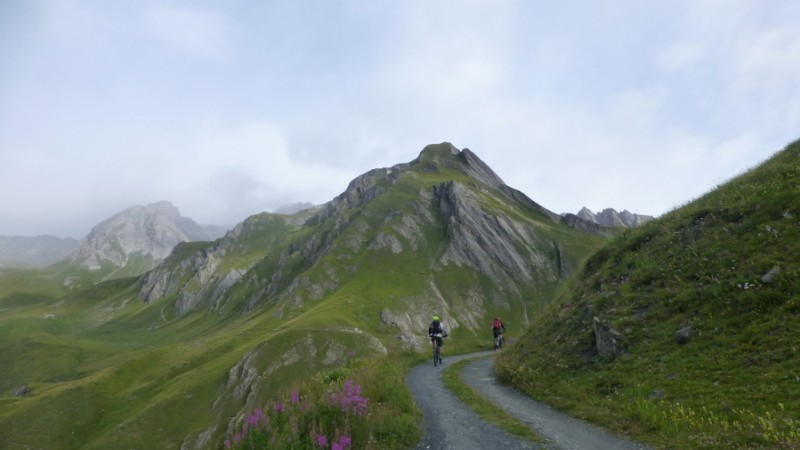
347	408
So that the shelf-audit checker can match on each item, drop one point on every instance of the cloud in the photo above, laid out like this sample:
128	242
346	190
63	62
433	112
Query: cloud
681	55
228	110
233	171
200	32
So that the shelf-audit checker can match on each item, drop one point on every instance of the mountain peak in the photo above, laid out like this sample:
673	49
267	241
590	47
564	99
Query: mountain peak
164	207
447	155
151	230
609	217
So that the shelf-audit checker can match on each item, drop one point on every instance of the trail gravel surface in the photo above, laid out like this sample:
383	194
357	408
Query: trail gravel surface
450	424
447	423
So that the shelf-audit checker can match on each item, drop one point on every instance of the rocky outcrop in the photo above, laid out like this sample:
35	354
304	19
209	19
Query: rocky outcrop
586	226
495	245
21	391
608	341
609	217
684	335
151	230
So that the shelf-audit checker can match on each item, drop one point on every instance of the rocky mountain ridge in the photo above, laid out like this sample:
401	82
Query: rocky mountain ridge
609	217
218	326
470	205
148	231
440	234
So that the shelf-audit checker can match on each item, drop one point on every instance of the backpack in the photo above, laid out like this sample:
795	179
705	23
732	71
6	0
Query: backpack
436	327
497	324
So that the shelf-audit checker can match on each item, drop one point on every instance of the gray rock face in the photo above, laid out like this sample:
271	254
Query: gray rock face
152	230
684	335
586	225
607	340
609	217
487	242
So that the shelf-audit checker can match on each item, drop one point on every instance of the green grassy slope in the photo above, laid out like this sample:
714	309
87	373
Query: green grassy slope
735	383
111	371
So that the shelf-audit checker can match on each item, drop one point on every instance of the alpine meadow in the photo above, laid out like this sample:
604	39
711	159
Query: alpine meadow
298	330
282	310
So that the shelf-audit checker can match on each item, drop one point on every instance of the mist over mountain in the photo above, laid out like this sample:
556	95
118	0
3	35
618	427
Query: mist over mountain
293	208
20	251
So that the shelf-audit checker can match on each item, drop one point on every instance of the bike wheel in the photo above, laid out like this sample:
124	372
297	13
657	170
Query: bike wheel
436	357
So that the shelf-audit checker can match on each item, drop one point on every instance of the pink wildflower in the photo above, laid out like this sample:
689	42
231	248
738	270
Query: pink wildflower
350	399
322	440
342	443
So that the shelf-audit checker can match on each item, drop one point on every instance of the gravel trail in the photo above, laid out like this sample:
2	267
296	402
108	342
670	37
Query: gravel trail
449	424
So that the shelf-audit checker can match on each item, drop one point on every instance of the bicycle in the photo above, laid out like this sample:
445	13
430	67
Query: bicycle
499	340
437	349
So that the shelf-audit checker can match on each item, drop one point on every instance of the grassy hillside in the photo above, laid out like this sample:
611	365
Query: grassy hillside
181	355
722	273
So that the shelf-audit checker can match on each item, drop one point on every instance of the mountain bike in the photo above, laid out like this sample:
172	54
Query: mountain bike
499	340
437	349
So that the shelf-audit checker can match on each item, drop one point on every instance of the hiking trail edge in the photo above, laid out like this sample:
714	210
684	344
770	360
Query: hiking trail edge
447	423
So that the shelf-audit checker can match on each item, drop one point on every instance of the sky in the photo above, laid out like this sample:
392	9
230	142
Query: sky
229	108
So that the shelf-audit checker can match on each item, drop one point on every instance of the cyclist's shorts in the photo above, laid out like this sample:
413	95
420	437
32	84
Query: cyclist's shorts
438	339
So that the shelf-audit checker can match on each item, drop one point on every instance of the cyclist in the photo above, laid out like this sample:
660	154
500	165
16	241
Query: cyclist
437	332
498	328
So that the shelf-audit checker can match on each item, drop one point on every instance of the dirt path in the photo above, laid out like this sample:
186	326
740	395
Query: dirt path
560	430
449	424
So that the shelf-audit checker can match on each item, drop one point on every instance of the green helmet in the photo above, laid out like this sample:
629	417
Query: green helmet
435	317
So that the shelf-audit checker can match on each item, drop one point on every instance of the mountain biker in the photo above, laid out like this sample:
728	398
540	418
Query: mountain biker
498	328
437	332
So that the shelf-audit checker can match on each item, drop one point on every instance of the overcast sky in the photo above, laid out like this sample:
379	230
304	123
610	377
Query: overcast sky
229	108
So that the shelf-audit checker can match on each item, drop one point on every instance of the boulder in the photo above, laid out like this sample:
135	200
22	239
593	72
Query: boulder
684	335
607	340
769	276
21	391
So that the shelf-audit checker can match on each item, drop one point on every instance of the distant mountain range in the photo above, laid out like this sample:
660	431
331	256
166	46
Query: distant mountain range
19	251
154	230
609	217
150	231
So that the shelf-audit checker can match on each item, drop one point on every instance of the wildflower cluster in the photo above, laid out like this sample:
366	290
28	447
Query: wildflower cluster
307	421
350	399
